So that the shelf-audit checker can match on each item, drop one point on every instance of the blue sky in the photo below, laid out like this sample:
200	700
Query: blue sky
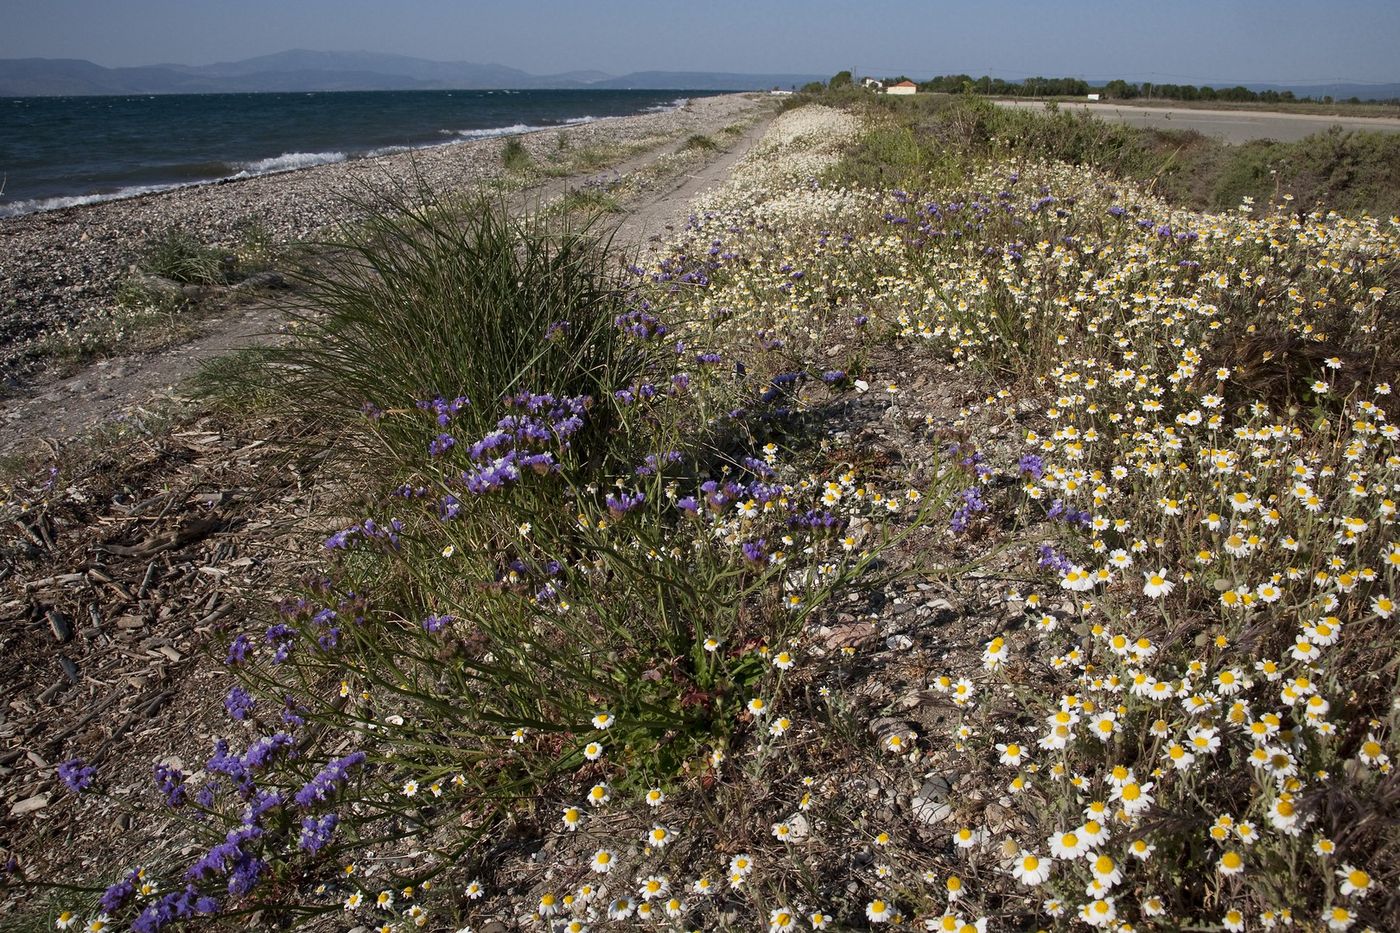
1191	41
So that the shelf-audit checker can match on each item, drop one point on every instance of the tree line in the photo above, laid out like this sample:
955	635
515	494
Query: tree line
1117	89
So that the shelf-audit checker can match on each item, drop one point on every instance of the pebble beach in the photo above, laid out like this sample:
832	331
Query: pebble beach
59	267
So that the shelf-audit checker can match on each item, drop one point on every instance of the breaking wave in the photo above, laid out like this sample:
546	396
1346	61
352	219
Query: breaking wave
288	161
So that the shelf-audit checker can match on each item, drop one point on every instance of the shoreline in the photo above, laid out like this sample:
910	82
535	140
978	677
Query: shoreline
291	161
65	265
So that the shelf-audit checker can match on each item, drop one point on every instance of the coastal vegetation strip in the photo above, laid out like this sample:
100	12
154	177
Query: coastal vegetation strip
944	531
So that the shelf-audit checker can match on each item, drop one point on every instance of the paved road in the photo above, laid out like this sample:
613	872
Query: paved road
1233	126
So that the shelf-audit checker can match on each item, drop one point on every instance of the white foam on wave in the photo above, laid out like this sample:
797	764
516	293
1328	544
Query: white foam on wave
34	205
515	128
288	161
494	131
392	150
676	104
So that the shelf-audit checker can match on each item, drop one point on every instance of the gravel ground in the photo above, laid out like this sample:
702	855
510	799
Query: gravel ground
59	267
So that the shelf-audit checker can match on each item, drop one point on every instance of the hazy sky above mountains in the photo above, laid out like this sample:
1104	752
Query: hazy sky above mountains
1181	41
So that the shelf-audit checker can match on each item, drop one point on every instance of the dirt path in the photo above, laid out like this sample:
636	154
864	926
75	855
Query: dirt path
120	387
648	223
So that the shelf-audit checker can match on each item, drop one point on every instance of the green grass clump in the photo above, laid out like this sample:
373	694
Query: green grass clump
589	158
425	299
180	257
700	142
515	157
589	201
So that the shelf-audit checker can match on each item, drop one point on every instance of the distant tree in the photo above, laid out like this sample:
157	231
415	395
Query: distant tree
1120	89
813	87
840	79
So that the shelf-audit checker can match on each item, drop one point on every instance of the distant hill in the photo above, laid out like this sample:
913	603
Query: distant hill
306	70
706	81
1334	91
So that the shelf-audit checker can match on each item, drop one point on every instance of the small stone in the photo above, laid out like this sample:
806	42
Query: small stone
931	812
59	625
851	635
30	805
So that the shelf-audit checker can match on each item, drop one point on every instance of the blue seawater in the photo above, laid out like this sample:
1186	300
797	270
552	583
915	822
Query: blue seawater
60	151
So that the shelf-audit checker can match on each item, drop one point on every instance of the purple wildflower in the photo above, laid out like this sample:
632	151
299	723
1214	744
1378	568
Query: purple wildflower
75	775
261	753
261	804
317	833
171	782
756	551
239	704
1053	560
972	503
328	780
624	502
116	896
441	445
237	651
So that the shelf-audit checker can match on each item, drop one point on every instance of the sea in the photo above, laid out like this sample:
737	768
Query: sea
62	151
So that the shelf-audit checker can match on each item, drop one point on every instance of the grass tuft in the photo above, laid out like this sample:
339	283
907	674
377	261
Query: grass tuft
179	257
699	142
515	157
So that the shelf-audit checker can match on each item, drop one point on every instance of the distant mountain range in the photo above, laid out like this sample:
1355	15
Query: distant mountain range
1334	91
303	70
